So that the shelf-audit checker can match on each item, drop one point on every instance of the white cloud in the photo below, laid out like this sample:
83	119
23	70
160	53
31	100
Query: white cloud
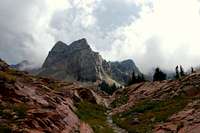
24	29
152	32
175	23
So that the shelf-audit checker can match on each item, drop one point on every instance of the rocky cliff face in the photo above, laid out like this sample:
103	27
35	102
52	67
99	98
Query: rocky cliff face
77	61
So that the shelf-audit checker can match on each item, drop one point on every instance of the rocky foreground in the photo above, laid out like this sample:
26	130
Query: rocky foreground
37	105
30	104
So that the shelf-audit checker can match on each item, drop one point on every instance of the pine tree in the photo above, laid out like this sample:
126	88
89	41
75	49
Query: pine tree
133	79
192	70
113	88
177	76
156	74
140	78
159	75
107	88
182	73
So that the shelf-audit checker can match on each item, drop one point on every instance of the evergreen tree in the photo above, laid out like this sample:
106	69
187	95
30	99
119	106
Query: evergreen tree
156	76
159	75
136	79
192	70
140	78
133	79
177	76
107	88
182	73
104	86
113	88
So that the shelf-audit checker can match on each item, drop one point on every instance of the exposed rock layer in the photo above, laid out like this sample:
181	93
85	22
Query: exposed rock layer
32	104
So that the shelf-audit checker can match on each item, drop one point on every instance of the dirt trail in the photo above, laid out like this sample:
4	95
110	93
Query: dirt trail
115	128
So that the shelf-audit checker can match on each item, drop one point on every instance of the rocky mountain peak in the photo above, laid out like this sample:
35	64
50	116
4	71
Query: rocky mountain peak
78	61
80	44
59	46
81	41
128	61
128	65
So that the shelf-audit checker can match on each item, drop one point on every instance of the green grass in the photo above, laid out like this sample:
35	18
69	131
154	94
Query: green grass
123	99
149	113
94	115
54	86
7	77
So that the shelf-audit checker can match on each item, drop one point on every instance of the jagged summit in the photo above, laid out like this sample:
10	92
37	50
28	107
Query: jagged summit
126	65
80	45
129	65
80	42
59	46
128	61
76	45
78	61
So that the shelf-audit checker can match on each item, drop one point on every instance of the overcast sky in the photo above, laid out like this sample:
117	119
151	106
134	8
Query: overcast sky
151	32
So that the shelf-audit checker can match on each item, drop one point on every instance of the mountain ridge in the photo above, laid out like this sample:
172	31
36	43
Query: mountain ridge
78	61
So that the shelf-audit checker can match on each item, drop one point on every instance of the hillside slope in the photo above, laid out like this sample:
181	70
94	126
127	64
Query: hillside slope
30	104
160	107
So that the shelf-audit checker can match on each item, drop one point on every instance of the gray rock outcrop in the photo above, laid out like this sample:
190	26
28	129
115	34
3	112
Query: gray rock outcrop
78	61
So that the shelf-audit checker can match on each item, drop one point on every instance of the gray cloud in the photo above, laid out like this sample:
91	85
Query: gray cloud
118	29
153	53
106	16
112	14
27	33
19	30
